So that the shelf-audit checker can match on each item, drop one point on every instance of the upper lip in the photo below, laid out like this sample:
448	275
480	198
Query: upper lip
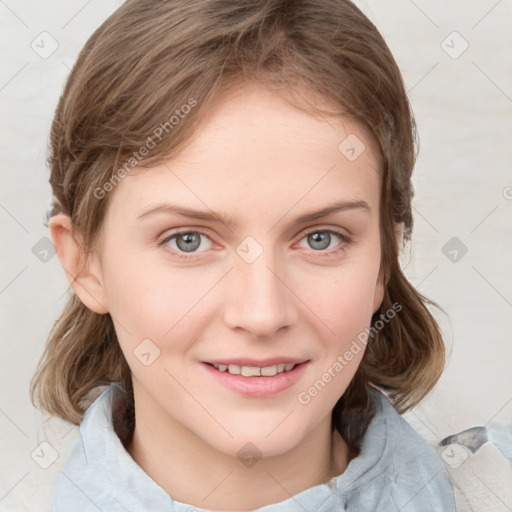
262	363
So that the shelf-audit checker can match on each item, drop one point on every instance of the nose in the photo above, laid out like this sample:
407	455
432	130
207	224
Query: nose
260	300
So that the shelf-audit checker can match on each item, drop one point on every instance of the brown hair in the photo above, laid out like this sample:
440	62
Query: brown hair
149	60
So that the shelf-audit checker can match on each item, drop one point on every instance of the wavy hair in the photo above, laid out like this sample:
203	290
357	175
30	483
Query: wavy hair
144	64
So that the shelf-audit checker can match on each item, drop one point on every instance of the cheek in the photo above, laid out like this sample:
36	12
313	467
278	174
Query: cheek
342	307
156	301
342	298
162	313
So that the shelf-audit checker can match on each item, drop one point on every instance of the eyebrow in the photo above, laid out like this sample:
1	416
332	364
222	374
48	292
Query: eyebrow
211	216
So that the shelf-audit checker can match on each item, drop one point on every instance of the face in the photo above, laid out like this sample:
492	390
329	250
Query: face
257	248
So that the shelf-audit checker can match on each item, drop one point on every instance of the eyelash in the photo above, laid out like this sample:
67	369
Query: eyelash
345	240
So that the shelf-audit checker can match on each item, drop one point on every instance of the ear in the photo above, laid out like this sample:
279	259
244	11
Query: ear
378	297
381	286
83	271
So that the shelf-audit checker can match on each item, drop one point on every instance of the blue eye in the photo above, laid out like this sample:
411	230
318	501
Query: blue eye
187	241
322	239
321	242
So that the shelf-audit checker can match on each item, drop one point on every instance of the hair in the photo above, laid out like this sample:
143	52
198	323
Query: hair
146	63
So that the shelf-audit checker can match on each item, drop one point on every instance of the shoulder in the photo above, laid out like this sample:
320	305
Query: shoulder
417	478
99	474
77	485
396	470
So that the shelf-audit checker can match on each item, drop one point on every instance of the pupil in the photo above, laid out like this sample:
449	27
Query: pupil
319	240
189	241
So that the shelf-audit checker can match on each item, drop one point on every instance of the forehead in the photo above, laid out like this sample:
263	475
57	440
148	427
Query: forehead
255	152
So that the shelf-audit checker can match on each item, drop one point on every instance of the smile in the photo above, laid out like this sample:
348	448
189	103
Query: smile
256	379
255	371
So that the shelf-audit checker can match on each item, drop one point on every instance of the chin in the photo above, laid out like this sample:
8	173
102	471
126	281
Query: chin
258	441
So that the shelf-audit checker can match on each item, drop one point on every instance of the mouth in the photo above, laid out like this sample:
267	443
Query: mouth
254	371
257	379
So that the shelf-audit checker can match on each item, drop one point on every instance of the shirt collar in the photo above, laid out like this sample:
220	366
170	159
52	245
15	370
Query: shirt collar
106	465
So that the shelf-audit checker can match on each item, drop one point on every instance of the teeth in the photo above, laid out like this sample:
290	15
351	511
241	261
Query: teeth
234	369
269	371
250	371
255	371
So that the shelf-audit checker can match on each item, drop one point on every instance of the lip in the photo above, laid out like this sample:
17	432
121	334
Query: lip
258	387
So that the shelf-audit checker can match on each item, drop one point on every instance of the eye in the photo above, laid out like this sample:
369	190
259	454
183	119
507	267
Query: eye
324	239
325	242
187	241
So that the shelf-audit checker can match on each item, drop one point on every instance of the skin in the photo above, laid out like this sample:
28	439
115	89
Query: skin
262	163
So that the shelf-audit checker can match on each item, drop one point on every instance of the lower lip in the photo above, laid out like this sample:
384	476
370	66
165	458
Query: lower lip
258	387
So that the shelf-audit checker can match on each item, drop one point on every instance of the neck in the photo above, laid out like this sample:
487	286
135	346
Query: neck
193	472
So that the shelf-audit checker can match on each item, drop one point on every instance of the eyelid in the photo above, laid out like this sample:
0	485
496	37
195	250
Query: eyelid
207	233
184	256
168	235
329	229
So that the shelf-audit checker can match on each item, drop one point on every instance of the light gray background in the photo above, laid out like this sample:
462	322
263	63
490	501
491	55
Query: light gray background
463	108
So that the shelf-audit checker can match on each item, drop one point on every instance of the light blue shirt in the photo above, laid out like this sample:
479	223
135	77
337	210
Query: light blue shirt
396	470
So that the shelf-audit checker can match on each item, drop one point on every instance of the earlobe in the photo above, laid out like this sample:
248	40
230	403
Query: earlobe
381	286
379	293
83	271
